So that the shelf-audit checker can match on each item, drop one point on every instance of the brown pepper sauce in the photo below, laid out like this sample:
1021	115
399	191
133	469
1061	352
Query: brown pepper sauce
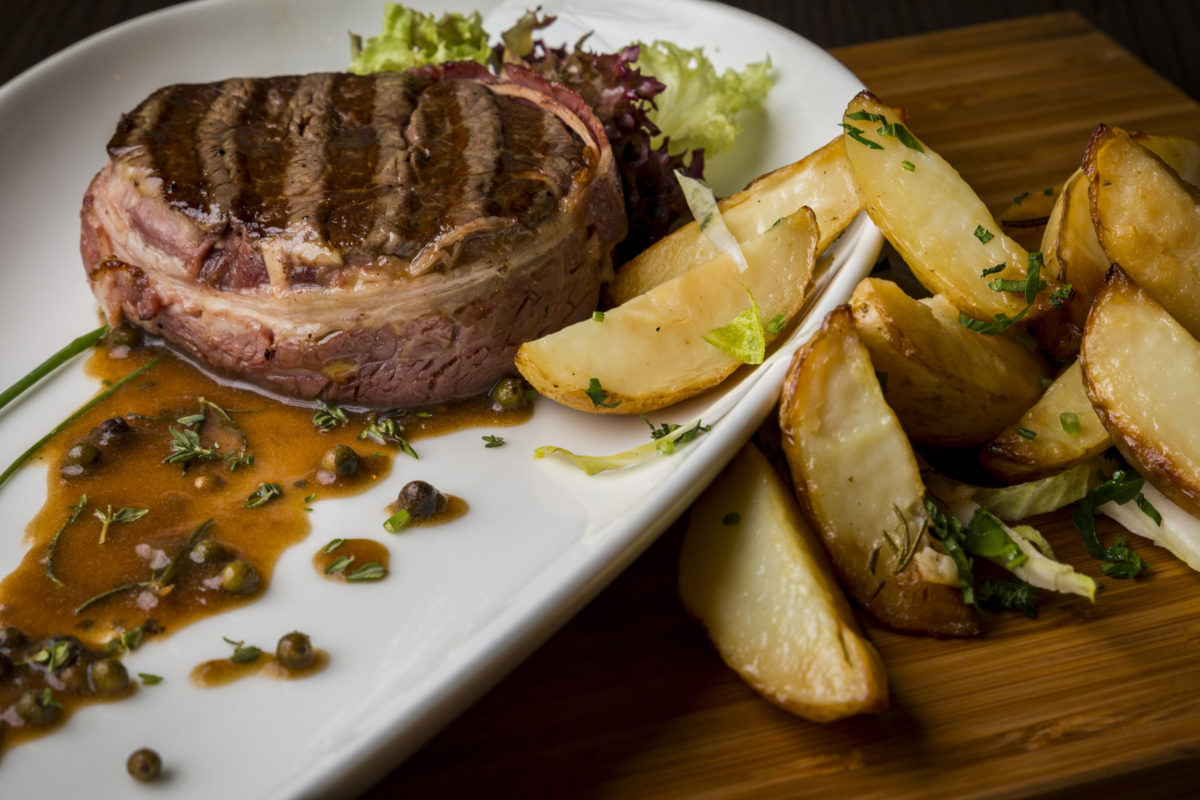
359	552
222	671
132	473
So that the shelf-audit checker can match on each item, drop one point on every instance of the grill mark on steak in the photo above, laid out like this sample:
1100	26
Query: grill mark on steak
260	155
352	155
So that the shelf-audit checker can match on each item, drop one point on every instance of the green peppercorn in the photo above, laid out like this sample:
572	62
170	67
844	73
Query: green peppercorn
108	676
295	651
11	637
239	577
78	458
421	499
144	765
341	461
208	551
125	335
510	394
38	707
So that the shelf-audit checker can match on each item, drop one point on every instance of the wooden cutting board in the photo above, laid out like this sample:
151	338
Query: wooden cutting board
630	699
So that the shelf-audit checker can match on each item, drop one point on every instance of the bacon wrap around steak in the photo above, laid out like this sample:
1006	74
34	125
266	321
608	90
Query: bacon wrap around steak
384	240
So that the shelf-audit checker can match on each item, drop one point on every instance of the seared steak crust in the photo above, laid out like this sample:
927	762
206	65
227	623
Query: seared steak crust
383	240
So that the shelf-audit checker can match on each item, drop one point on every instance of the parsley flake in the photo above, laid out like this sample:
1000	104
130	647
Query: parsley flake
983	234
493	441
598	395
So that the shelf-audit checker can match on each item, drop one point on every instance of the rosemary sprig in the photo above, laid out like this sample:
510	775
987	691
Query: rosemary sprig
328	417
264	493
385	430
75	511
83	409
123	515
52	363
91	601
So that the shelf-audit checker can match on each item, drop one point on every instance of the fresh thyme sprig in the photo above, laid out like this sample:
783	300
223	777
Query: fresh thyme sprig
123	515
386	430
328	417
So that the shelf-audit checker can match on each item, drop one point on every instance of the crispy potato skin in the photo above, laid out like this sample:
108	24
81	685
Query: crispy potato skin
1150	412
842	442
949	385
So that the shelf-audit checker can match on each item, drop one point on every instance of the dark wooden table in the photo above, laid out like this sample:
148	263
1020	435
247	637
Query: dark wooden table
630	699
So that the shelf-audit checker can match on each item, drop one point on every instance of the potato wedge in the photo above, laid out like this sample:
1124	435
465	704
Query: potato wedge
858	481
650	352
1025	218
1070	247
755	575
948	385
1148	220
932	217
820	180
1043	441
1141	370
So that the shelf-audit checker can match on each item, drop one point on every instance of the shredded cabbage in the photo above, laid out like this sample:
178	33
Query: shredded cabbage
1178	533
1021	500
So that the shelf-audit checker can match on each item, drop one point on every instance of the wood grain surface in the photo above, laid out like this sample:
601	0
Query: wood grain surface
630	699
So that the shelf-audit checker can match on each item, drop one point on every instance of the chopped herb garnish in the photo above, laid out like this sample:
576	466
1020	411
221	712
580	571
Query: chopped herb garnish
372	571
129	640
732	518
993	270
598	316
857	135
667	444
1070	422
1048	191
148	679
662	430
1060	296
397	521
86	604
1017	200
1033	277
75	511
598	395
1045	382
339	565
1000	323
167	574
985	536
493	441
776	324
186	447
262	495
1026	433
334	544
1007	594
949	531
124	515
983	234
1146	508
328	417
908	166
242	653
897	131
862	115
1120	489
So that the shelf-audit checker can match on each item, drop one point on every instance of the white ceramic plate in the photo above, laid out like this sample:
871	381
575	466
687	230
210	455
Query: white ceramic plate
465	601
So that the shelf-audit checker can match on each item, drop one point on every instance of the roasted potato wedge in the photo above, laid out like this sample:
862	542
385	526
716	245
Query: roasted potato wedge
1058	432
650	352
755	575
1141	370
857	478
948	385
820	180
1148	220
1026	217
941	229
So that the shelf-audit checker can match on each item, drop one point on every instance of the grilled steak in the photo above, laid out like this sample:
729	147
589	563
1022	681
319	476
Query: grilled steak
382	240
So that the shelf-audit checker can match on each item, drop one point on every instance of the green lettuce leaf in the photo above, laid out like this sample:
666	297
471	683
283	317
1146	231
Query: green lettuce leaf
411	38
1031	498
699	108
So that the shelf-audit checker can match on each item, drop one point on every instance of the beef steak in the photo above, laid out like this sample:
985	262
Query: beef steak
382	240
